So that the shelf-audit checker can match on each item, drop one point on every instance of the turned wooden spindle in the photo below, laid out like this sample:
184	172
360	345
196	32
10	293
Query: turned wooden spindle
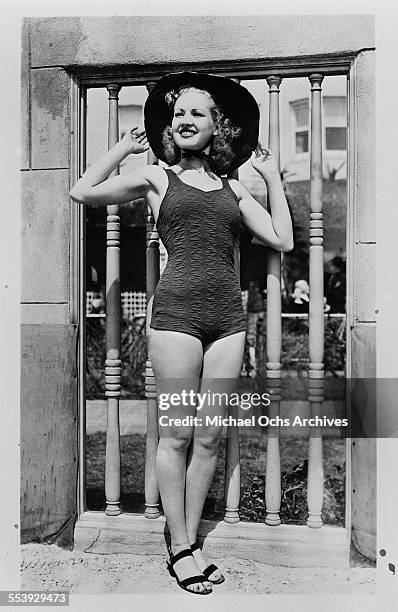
232	471
152	497
113	361
316	308
232	455
274	334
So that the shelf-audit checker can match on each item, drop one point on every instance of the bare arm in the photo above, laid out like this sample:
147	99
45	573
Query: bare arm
95	188
273	229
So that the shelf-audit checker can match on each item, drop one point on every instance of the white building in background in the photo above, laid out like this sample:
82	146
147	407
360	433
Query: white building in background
295	125
131	105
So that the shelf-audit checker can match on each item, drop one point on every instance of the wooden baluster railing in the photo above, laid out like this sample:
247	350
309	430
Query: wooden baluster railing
152	437
232	455
113	360
316	309
274	335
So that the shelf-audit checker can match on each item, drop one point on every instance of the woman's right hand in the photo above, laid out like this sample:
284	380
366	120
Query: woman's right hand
135	141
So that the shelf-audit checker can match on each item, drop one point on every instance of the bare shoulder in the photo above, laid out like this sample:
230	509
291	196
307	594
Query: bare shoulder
237	188
156	177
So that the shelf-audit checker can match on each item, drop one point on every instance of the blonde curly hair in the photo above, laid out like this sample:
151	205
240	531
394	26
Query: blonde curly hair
221	154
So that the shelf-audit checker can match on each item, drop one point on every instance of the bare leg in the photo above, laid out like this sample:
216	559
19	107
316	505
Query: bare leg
175	356
222	360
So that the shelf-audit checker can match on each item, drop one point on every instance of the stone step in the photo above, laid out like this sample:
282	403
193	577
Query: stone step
284	545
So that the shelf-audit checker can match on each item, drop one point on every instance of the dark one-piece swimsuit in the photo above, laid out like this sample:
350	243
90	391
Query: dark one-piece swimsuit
199	292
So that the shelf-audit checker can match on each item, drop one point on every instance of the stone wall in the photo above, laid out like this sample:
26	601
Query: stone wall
109	41
48	338
362	316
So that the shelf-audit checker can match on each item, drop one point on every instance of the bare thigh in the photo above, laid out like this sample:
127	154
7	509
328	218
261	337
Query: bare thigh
176	360
223	358
174	354
222	362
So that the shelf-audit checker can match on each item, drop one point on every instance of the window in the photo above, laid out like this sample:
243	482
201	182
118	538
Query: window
336	138
300	110
335	121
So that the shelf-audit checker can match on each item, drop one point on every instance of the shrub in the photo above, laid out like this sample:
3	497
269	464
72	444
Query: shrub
294	496
133	354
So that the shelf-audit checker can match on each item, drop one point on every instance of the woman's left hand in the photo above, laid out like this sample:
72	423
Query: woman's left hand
264	162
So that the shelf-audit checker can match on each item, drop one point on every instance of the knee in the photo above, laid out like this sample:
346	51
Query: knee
175	444
207	445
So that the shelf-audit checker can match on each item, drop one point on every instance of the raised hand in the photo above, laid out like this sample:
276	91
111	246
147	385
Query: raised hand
135	141
264	162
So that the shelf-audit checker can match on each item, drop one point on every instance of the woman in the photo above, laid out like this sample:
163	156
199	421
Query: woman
202	126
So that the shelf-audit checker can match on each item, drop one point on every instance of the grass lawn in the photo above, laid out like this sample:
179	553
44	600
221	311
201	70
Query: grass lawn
294	453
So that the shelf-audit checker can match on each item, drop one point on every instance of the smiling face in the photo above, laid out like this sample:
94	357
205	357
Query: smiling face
193	125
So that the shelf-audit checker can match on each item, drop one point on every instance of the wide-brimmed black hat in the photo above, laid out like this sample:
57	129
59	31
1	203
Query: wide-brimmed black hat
235	101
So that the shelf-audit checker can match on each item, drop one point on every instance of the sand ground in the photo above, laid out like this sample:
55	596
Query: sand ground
46	567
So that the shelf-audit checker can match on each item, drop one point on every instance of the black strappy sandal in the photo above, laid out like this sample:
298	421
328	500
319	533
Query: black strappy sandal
209	569
191	579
